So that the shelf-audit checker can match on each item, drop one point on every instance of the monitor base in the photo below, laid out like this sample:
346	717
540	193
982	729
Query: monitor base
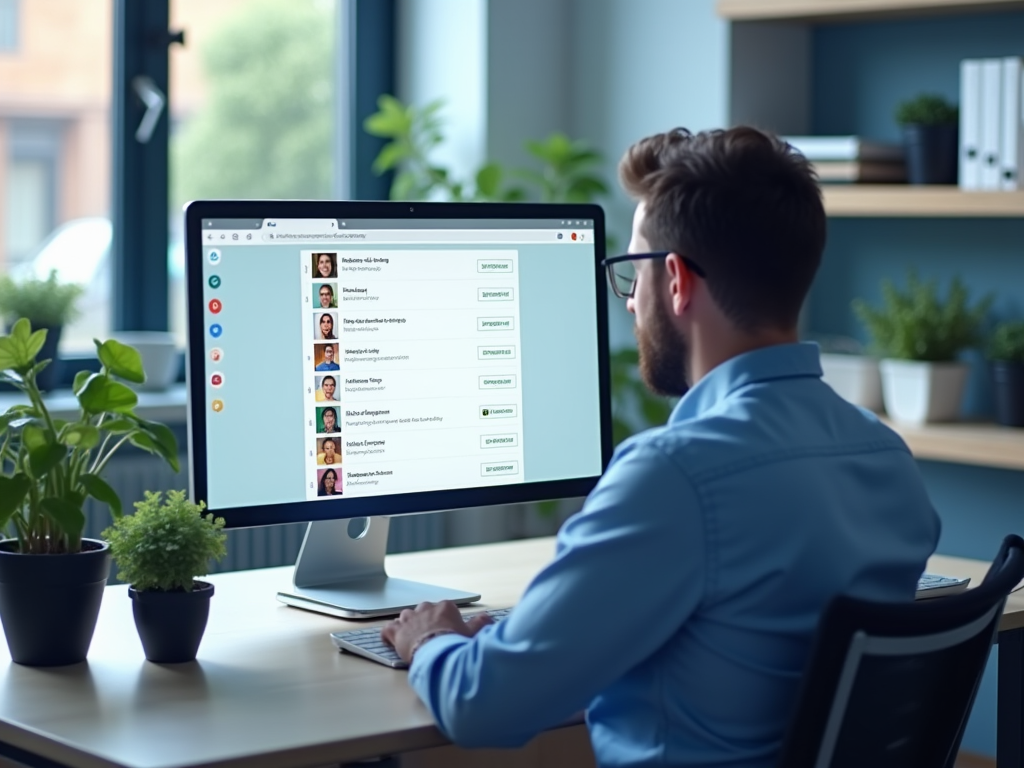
371	598
340	572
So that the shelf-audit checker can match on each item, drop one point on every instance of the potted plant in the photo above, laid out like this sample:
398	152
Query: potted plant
159	551
1006	356
850	372
51	579
48	305
919	337
930	139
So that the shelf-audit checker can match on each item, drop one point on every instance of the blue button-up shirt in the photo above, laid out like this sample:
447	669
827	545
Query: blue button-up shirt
681	604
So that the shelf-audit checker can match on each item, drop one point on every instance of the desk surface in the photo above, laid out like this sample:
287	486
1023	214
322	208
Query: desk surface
269	688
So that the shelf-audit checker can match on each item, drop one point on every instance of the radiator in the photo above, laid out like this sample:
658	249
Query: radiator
132	474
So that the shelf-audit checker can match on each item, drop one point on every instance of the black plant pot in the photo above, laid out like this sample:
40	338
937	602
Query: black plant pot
49	603
931	153
1008	380
171	624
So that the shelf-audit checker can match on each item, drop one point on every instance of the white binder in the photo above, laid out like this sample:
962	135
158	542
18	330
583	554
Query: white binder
970	124
1010	131
991	121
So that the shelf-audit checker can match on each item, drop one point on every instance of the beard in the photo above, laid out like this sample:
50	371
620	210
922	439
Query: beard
663	355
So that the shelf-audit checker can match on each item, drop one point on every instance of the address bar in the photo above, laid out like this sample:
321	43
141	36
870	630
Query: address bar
432	236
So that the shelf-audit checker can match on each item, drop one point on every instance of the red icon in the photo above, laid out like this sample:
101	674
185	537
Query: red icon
216	380
573	235
216	354
216	306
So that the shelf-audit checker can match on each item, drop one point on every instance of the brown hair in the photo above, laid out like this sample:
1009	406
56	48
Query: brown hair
742	204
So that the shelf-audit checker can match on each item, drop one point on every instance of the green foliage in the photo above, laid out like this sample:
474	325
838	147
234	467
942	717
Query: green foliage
165	545
927	109
46	303
1007	342
265	129
566	174
914	324
47	466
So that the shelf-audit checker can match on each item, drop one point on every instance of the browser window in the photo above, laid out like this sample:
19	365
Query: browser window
376	357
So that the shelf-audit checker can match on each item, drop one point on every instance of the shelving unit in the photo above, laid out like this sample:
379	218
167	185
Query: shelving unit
901	200
986	445
846	10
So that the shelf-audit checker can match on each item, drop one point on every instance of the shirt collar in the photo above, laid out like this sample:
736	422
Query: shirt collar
779	361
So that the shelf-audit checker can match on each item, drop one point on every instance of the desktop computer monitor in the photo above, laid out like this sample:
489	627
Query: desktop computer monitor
350	361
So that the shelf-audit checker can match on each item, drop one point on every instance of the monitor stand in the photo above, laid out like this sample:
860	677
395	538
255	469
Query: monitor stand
340	572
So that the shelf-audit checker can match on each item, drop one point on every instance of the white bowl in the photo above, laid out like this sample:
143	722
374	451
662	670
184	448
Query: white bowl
159	357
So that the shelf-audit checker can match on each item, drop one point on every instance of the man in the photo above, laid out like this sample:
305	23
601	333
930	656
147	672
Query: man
682	600
328	363
326	293
330	419
326	391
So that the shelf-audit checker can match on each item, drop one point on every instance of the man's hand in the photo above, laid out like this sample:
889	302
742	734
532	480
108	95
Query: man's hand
413	627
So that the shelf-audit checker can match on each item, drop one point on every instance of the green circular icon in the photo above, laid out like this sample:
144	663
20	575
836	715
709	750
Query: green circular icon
214	281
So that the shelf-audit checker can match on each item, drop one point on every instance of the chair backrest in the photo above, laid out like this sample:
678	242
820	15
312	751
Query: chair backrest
890	685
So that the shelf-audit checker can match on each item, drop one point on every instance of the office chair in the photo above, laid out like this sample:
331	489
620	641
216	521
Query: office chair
890	685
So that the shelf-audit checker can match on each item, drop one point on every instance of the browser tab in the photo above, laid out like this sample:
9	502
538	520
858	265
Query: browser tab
314	226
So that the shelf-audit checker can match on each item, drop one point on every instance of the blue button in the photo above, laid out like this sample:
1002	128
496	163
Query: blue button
216	330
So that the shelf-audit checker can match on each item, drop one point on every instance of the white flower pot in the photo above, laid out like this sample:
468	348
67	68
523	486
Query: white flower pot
917	393
854	378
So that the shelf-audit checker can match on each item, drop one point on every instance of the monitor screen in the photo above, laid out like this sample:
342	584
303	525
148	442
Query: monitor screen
361	359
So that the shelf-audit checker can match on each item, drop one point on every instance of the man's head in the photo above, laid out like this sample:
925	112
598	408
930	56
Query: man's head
327	386
330	419
329	353
326	296
737	205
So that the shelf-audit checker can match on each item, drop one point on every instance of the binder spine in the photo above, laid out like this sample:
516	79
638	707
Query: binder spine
1010	130
991	122
970	124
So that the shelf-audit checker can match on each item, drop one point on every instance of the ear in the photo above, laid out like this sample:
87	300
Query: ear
680	283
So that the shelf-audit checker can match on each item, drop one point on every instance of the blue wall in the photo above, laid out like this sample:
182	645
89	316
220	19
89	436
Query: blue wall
860	73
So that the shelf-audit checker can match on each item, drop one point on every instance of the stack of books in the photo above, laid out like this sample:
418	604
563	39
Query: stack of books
991	122
851	159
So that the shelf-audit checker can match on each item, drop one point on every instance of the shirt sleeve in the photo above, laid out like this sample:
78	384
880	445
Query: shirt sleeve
629	570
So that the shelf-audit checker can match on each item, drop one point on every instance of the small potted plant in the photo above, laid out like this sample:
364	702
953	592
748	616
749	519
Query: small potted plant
919	338
48	305
51	579
159	551
930	139
1006	356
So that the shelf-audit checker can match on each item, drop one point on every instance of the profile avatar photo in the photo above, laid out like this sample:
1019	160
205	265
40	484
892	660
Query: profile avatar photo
325	357
326	389
328	451
325	265
327	295
325	326
327	420
328	483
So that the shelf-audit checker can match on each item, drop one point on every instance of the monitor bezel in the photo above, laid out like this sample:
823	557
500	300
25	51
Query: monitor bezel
396	504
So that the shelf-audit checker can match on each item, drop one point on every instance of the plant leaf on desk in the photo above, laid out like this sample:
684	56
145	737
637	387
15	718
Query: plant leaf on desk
45	457
98	488
102	394
13	491
81	436
121	360
68	515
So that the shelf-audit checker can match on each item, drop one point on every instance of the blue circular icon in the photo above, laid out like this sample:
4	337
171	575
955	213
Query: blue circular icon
216	330
213	256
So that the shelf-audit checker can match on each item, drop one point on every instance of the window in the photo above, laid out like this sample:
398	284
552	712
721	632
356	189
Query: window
8	25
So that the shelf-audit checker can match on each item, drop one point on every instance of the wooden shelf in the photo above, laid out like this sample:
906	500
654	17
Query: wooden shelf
853	10
925	201
986	445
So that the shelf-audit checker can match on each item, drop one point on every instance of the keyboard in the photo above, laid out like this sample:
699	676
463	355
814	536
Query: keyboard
367	642
936	585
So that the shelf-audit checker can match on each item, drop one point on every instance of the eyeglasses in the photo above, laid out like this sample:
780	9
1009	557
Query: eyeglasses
622	270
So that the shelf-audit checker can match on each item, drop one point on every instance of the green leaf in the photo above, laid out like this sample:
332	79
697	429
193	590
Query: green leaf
390	156
34	436
121	360
67	515
81	436
18	350
119	426
13	491
80	378
98	488
45	457
164	442
102	394
488	180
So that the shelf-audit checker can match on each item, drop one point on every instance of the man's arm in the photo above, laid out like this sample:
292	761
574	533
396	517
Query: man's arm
628	572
